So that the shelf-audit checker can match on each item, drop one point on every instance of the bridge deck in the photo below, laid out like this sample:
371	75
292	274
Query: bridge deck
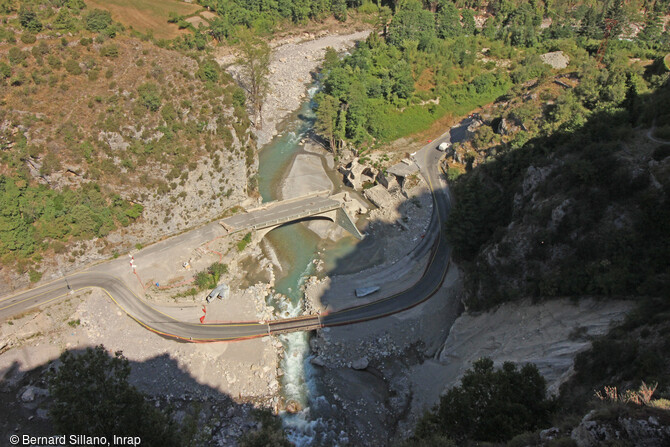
277	213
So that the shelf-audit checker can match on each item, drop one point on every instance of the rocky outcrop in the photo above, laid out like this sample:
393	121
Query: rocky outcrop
548	334
642	430
557	59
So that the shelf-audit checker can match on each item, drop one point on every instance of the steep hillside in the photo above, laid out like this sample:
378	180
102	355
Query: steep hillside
109	121
575	213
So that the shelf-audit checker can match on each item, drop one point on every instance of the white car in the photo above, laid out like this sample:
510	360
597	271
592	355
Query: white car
444	146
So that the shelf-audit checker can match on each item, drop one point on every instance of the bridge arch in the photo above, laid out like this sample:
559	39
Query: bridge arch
262	232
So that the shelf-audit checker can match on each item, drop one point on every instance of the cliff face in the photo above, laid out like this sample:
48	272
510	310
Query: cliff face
589	220
549	335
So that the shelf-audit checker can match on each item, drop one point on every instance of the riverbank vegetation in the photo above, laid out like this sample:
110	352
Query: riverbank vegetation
434	60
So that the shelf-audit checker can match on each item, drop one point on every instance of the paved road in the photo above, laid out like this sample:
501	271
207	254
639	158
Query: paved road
280	212
151	318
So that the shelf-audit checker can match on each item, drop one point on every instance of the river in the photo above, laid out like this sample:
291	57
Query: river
297	248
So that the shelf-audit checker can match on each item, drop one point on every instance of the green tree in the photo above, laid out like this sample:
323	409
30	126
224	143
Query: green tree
255	63
300	11
339	9
28	20
475	216
150	96
330	59
411	22
220	29
92	396
270	434
65	21
448	20
326	118
591	24
491	405
97	20
520	27
469	25
653	28
403	83
490	30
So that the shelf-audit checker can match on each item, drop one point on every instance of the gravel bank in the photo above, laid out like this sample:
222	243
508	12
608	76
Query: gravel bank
292	66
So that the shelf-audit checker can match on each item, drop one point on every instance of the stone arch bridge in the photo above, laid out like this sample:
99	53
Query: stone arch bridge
271	215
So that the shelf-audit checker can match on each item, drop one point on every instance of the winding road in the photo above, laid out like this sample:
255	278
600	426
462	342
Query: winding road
153	319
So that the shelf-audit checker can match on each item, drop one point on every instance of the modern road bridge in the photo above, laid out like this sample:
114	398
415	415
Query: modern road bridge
275	214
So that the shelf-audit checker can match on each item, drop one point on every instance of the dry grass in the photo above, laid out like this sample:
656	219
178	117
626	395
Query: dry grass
642	396
425	81
147	15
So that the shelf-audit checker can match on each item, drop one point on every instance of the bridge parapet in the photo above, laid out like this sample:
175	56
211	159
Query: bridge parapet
274	214
302	323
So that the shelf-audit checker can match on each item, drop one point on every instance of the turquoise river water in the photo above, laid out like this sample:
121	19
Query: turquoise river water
296	248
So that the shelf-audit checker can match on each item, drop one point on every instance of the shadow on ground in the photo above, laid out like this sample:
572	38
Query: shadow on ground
210	414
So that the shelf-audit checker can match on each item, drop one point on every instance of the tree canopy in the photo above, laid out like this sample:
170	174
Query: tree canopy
491	405
92	397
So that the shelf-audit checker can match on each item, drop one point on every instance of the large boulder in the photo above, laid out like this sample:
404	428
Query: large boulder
360	364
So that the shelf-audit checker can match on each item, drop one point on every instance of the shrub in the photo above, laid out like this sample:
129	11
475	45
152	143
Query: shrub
150	96
208	71
72	67
5	71
16	56
28	38
662	132
110	50
659	154
34	275
208	279
40	49
241	245
53	61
